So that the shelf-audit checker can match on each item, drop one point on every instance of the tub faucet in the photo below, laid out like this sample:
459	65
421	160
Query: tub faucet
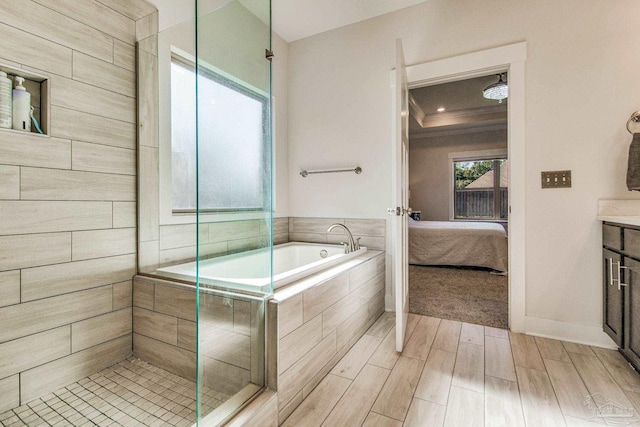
353	245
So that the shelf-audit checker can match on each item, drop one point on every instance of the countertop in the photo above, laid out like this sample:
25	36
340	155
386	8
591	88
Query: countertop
619	211
627	220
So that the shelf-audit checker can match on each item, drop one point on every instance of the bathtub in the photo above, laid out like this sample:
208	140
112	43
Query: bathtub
250	270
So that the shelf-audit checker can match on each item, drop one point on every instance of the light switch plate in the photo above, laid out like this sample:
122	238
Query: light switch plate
556	179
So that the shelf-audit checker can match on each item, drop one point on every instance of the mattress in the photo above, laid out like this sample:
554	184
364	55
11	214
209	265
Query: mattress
458	243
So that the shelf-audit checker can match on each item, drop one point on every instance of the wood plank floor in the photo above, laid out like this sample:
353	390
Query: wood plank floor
459	374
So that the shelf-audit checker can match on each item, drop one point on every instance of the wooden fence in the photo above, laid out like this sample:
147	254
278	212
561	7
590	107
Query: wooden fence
478	203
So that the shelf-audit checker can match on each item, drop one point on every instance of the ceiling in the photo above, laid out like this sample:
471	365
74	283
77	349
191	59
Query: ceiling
292	19
465	108
297	19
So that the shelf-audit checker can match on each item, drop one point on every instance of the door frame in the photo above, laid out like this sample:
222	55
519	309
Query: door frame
510	58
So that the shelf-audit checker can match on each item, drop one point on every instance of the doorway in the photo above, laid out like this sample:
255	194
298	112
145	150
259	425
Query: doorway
458	190
511	59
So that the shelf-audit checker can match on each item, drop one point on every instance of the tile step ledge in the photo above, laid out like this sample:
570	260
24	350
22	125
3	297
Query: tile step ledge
262	411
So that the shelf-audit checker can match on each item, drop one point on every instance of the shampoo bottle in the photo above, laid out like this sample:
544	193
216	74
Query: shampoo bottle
5	101
21	107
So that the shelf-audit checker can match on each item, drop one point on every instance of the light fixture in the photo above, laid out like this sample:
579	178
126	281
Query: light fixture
440	109
498	90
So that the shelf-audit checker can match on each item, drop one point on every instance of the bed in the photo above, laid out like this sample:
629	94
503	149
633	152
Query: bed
471	244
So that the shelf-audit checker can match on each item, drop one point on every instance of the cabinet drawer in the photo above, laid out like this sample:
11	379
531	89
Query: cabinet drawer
612	236
632	242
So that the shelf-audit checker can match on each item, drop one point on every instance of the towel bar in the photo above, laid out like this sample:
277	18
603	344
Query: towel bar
635	117
305	173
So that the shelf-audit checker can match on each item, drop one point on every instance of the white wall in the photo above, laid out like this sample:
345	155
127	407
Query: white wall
581	87
429	168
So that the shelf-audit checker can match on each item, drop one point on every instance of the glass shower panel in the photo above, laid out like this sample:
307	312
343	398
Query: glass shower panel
233	199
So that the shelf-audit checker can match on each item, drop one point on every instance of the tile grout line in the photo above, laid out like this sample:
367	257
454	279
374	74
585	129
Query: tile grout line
583	381
606	366
413	396
373	401
444	421
133	391
515	371
352	381
91	26
554	387
335	404
105	391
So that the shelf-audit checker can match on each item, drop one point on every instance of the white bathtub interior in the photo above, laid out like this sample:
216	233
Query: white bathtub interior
250	272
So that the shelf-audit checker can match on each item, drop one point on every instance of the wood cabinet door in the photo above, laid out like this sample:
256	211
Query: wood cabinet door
632	242
612	297
631	275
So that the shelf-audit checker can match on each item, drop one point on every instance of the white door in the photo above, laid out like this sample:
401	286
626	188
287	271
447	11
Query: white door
399	229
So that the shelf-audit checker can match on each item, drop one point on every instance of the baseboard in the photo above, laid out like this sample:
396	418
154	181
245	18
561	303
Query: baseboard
554	329
572	332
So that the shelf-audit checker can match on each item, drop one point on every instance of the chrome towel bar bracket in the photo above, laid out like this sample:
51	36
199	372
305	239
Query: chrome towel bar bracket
305	173
635	117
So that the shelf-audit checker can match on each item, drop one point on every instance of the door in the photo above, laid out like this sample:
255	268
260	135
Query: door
612	295
399	225
631	278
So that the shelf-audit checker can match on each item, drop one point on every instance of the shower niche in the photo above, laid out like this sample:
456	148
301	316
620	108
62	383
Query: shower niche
38	86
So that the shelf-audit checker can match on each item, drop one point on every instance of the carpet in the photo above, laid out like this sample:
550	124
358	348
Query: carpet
457	293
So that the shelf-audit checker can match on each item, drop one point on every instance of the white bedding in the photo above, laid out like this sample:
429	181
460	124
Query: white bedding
473	244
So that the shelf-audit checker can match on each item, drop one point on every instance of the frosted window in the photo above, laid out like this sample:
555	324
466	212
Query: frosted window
232	150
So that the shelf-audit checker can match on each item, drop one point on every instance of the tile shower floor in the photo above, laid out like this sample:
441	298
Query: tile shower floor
130	393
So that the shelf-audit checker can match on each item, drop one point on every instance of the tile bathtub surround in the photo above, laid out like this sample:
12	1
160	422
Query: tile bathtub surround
68	201
318	320
314	230
177	243
164	334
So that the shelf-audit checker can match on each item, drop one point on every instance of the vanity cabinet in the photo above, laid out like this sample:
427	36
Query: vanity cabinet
621	288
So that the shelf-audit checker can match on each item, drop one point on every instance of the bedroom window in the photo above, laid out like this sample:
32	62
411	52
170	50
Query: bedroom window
480	189
233	134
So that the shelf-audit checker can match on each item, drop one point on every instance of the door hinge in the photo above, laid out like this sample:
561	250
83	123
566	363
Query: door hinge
268	54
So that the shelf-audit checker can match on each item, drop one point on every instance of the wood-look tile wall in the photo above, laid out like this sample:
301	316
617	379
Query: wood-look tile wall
314	230
176	243
68	202
316	327
231	334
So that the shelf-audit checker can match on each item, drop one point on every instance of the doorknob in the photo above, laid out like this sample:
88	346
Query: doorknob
395	211
399	211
